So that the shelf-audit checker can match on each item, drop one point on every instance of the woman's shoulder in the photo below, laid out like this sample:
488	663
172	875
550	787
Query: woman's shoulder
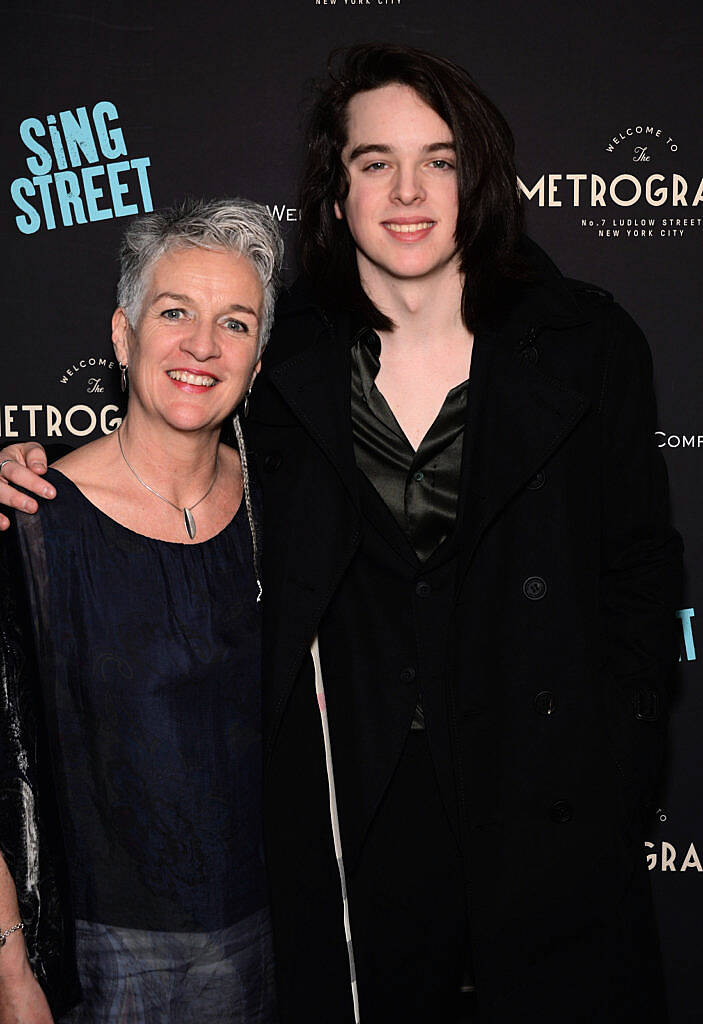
86	474
71	476
84	464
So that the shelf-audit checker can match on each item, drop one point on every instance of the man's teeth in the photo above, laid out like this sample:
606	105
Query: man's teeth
405	229
191	378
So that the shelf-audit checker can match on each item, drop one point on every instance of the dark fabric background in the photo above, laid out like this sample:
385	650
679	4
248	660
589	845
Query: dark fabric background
215	99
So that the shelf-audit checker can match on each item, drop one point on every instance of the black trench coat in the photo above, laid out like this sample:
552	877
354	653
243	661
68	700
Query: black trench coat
548	732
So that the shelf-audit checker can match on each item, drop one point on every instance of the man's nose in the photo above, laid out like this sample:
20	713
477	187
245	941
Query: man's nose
407	185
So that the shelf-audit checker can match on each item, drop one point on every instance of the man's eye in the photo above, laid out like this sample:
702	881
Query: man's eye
442	164
172	314
237	326
376	165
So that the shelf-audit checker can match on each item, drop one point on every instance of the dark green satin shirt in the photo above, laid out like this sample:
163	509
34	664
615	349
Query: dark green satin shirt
421	488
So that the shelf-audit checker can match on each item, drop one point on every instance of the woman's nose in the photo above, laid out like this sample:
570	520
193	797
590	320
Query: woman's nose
201	341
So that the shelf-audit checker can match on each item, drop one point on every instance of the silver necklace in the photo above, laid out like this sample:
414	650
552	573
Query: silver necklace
188	520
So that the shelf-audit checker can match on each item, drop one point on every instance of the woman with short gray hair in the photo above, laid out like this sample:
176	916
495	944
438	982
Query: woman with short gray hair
220	224
141	582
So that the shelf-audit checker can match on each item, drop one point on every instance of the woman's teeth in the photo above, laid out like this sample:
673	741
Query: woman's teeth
191	378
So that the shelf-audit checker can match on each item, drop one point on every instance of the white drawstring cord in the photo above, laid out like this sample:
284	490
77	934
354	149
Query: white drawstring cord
334	819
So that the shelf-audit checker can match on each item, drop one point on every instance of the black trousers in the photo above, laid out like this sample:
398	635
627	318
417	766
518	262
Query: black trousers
407	904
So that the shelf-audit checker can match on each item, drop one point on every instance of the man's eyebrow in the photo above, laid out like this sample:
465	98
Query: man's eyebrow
235	307
370	147
434	146
379	147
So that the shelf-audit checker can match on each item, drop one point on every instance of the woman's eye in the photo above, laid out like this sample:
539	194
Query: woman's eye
377	165
442	164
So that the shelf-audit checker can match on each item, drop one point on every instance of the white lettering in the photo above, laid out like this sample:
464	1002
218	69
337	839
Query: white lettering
691	860
76	431
9	420
32	410
680	188
597	190
654	189
53	421
577	179
537	188
658	196
553	179
613	190
668	857
113	424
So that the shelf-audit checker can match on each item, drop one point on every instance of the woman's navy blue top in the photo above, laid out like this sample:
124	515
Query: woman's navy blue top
150	661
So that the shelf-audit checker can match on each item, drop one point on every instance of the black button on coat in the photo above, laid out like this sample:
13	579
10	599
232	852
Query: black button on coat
547	807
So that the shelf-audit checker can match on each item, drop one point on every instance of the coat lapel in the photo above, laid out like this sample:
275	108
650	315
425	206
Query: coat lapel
516	418
316	385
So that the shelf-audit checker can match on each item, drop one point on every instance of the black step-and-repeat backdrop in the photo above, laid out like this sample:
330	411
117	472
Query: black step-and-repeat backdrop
114	108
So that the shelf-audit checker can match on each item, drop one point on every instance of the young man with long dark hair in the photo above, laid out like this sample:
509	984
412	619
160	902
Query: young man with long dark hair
466	516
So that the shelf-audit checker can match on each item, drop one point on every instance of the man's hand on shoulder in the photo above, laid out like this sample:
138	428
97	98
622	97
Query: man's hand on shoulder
22	465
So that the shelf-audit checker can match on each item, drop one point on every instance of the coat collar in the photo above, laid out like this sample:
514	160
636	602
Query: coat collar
316	384
516	415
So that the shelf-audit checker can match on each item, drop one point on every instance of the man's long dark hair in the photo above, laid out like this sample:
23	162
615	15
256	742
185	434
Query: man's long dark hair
490	211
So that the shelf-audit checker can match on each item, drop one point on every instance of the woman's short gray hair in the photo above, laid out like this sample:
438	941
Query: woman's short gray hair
227	225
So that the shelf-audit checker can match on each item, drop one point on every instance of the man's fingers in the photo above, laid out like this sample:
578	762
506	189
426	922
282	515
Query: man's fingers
34	457
14	475
30	453
12	498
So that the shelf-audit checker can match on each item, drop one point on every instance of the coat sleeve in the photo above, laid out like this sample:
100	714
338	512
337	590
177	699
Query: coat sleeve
19	828
37	871
641	554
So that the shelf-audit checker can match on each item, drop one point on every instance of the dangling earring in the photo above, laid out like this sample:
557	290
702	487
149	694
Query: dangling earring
247	501
246	402
123	376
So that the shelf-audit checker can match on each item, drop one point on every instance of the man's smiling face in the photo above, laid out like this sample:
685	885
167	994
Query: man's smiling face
402	204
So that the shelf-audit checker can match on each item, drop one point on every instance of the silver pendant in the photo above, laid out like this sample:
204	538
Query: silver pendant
189	523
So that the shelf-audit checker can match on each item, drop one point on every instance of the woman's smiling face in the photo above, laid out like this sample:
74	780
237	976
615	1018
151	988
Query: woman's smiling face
192	354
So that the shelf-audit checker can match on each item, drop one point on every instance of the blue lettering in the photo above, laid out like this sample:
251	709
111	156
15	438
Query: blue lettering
112	142
117	188
43	182
75	139
93	193
68	193
686	615
140	165
78	133
57	142
41	166
32	221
